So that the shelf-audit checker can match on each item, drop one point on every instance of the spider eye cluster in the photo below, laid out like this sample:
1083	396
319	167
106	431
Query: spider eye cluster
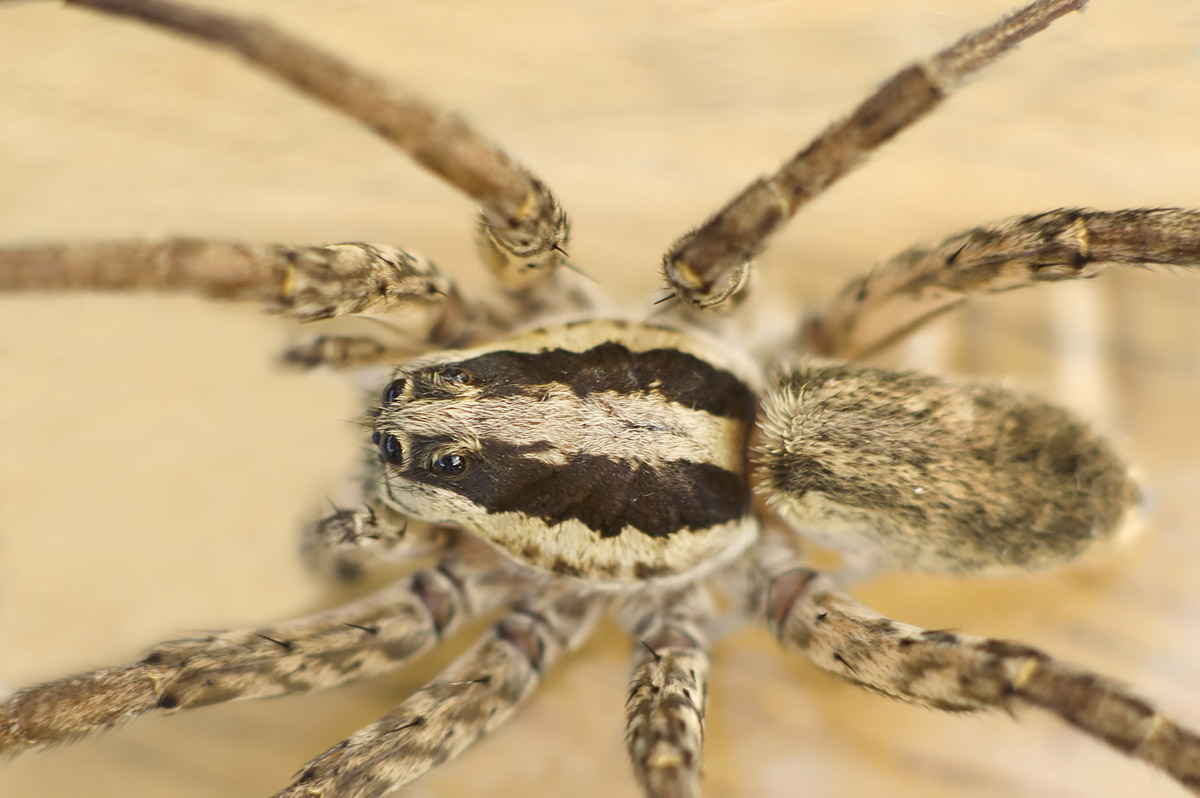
450	465
428	382
389	447
394	390
457	376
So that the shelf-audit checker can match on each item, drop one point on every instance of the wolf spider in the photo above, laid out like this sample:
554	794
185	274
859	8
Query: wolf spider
687	774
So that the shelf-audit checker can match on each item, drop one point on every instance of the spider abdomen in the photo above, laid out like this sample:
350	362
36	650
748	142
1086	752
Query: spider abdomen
604	450
936	475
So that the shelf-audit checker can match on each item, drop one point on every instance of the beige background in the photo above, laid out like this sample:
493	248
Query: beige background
154	464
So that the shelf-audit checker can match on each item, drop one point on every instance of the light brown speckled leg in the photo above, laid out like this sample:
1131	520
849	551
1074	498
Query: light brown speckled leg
962	673
900	295
523	228
301	282
664	714
477	693
707	266
368	636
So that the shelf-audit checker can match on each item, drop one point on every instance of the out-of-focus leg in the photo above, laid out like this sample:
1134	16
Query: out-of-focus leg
368	636
900	295
477	693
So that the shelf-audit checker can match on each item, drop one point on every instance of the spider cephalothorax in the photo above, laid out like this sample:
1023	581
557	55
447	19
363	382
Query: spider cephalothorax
650	470
607	451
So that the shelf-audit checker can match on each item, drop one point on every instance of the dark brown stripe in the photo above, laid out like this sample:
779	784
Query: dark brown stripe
678	376
604	494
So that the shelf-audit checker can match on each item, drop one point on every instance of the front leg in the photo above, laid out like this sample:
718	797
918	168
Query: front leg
710	264
523	227
301	282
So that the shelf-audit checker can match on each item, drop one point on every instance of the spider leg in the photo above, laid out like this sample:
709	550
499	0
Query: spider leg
664	714
347	542
523	228
301	282
708	265
347	352
368	636
962	673
477	693
903	293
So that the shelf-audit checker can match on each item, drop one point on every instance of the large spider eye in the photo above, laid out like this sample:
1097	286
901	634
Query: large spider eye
458	376
390	449
450	465
394	390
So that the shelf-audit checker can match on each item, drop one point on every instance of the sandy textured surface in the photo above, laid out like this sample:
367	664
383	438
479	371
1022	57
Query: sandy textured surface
154	464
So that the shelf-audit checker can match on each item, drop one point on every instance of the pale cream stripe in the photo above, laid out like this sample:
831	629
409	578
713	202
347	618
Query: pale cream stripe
644	428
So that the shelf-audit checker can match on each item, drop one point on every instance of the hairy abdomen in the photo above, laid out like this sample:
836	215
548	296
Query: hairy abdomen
936	475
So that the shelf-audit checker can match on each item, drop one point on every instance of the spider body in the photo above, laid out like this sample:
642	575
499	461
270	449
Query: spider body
802	610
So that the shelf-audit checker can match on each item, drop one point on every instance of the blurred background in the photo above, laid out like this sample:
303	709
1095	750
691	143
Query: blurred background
155	464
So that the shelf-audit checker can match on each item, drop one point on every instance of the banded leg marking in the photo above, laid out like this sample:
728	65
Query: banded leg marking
664	714
300	282
477	693
522	222
368	636
964	673
708	265
900	295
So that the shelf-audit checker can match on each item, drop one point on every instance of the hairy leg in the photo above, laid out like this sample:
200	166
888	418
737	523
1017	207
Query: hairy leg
900	295
961	673
523	228
301	282
664	714
477	693
708	265
347	542
347	352
368	636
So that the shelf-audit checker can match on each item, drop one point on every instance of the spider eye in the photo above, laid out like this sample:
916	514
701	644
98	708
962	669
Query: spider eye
458	376
390	449
394	390
450	465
